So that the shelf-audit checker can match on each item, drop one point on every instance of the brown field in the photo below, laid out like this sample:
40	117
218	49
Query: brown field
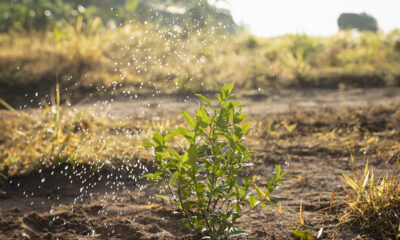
311	134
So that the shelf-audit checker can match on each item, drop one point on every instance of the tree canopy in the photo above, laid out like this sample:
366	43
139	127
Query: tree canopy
46	14
362	22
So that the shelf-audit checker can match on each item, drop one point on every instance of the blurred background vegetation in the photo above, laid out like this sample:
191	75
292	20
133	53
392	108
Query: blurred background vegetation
49	14
179	46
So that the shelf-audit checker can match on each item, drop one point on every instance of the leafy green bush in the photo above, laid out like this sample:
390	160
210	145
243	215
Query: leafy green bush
203	180
35	14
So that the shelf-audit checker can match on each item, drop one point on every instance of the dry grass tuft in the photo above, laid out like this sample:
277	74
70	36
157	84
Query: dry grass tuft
374	204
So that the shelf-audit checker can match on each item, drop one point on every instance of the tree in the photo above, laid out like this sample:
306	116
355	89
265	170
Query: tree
362	22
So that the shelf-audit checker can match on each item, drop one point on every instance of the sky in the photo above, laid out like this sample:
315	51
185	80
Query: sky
315	17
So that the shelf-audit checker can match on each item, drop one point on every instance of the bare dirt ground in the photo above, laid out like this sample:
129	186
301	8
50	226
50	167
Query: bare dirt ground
66	202
254	103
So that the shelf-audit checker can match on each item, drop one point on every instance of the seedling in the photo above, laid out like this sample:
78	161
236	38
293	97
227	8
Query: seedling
203	179
302	235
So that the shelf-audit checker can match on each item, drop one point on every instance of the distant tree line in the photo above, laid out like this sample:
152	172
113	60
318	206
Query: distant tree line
47	14
362	22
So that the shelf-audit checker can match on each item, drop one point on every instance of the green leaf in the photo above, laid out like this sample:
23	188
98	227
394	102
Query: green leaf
239	118
158	139
171	135
198	224
192	154
185	222
173	152
220	99
147	144
238	209
238	133
302	235
185	193
259	194
241	148
247	155
160	156
222	119
278	174
206	100
165	198
231	113
202	120
186	133
232	104
233	96
173	178
200	187
152	176
187	205
278	170
172	181
185	157
230	87
172	164
246	127
189	119
240	191
227	88
201	149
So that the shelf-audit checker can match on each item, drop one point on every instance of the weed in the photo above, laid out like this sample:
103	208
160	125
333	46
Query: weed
203	180
373	204
302	235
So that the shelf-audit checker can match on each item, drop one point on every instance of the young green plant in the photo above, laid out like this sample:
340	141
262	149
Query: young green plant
203	180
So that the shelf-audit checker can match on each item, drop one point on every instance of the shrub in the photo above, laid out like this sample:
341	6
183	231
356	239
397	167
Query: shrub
204	179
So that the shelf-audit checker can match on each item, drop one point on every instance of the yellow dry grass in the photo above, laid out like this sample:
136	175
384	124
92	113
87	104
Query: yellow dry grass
56	135
374	203
156	58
